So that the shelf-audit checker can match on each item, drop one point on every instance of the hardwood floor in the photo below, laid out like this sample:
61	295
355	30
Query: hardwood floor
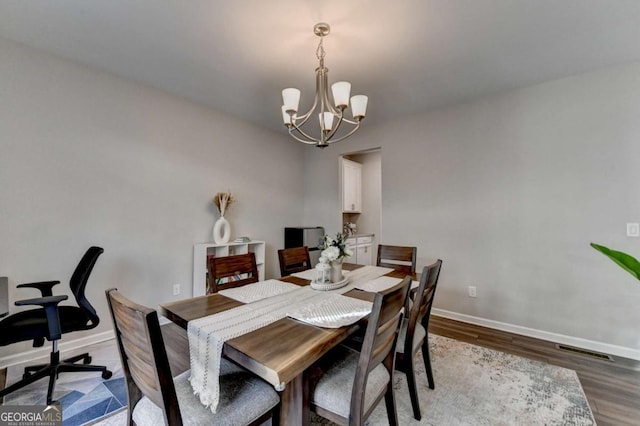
612	387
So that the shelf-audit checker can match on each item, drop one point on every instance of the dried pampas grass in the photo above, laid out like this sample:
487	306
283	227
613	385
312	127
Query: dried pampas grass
223	200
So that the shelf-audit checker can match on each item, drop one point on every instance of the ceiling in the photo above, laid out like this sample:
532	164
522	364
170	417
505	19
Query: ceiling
407	55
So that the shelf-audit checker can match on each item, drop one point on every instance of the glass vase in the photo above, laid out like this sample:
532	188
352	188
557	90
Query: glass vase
336	271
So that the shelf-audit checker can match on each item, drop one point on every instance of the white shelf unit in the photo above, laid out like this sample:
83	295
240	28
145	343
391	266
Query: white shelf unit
203	250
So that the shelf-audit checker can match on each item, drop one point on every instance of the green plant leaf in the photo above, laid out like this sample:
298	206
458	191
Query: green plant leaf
626	262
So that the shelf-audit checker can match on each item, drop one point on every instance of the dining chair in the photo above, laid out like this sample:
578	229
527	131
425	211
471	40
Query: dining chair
231	271
414	333
293	260
154	397
400	258
346	385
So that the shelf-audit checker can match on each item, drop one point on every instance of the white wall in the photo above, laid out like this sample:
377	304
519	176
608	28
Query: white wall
87	158
509	191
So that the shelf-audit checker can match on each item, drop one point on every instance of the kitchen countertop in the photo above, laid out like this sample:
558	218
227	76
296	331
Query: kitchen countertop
361	235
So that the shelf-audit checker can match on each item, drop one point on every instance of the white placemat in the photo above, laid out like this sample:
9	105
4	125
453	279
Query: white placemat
383	283
330	310
309	274
379	284
258	291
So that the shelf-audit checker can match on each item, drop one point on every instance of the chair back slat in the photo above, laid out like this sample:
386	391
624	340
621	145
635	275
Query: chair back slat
232	271
294	260
385	339
400	258
143	355
379	342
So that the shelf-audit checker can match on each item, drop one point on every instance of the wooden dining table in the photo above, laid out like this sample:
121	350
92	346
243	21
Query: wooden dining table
280	352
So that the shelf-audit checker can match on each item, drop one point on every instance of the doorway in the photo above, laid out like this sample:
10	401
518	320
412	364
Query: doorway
365	218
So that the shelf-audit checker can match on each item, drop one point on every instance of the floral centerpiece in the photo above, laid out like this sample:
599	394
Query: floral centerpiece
334	251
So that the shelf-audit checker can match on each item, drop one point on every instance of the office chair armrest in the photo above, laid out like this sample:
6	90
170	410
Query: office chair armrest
50	306
45	287
42	301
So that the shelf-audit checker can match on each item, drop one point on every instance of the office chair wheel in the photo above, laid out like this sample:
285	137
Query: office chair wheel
87	360
107	374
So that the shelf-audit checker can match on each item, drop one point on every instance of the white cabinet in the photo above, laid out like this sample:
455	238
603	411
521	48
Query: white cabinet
351	186
364	255
205	250
362	250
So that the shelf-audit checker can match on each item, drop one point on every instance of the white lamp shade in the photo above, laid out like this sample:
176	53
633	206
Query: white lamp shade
326	120
291	99
285	116
341	91
359	106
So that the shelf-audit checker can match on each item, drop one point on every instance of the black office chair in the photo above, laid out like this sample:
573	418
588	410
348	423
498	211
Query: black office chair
50	322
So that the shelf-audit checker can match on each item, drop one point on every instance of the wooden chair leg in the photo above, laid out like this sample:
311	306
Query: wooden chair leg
390	402
275	415
409	369
427	364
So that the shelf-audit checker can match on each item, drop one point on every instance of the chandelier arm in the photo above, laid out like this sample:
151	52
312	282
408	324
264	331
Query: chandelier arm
310	142
345	136
353	122
306	116
325	94
336	127
321	89
301	132
303	118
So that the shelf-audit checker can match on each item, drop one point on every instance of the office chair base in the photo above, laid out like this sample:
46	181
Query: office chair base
53	370
31	369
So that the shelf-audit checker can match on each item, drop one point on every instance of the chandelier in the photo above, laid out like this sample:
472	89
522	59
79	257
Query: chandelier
322	108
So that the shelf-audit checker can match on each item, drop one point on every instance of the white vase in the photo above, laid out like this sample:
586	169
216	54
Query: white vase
336	271
221	231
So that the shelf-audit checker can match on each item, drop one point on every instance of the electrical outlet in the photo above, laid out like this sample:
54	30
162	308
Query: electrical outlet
472	291
176	289
633	230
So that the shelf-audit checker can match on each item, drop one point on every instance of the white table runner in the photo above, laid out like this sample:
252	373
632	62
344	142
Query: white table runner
208	334
258	291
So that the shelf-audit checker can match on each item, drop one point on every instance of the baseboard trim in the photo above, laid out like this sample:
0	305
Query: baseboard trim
66	345
606	348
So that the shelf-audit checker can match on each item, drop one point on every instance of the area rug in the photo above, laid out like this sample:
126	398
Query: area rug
478	386
84	397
